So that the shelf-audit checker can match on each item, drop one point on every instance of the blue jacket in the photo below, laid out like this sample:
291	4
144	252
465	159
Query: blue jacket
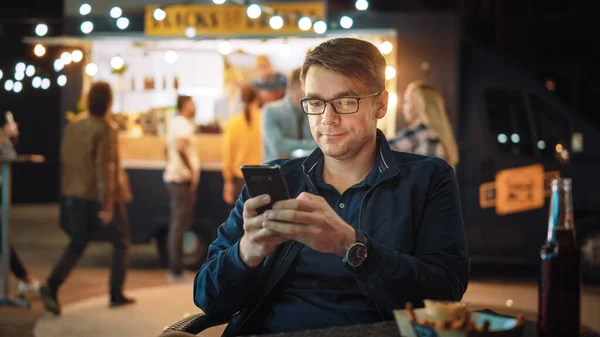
412	216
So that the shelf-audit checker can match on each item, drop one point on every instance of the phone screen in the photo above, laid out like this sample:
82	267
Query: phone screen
265	179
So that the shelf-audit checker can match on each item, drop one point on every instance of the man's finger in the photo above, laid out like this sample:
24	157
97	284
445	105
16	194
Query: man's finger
293	216
297	204
253	223
252	204
291	230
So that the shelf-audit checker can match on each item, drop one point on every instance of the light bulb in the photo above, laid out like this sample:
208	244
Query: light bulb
41	29
225	48
76	55
276	22
320	27
8	85
36	82
58	65
116	62
30	70
45	83
190	32
19	76
66	58
171	57
1	74
218	2
159	14
20	67
346	22
91	69
61	80
39	50
18	86
386	47
305	23
85	9
87	27
116	12
362	5
122	23
254	11
390	72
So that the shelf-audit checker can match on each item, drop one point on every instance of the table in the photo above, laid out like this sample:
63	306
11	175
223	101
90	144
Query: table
386	329
6	163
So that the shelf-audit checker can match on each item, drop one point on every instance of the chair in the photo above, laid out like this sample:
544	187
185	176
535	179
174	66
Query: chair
193	325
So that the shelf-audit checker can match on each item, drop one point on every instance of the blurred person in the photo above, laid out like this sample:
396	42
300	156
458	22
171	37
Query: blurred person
285	125
242	144
27	284
429	131
270	85
96	189
182	175
366	230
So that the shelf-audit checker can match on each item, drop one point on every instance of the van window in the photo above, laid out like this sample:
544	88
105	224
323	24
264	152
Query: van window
551	126
507	120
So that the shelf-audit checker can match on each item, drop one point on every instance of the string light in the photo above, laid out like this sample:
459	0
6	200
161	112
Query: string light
190	32
91	69
58	65
18	86
87	27
276	22
41	29
61	80
305	23
390	72
122	23
76	55
254	11
8	85
320	27
170	56
39	50
116	62
362	5
1	74
19	76
45	83
225	48
20	67
36	82
159	14
66	58
30	70
85	9
218	2
386	47
346	22
116	12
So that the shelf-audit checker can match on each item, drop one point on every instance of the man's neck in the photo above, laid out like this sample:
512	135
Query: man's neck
343	174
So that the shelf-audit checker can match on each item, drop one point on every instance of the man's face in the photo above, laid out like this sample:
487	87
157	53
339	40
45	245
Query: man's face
343	136
188	110
264	69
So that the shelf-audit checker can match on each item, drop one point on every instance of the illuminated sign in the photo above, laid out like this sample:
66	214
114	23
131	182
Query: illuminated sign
219	20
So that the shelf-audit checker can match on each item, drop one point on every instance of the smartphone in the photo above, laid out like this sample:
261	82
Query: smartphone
265	179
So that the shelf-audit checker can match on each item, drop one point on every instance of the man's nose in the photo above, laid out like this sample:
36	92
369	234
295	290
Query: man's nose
330	116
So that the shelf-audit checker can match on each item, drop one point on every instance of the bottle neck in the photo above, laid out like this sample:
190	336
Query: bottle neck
561	208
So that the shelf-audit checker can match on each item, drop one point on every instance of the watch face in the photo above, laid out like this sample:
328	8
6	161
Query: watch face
357	254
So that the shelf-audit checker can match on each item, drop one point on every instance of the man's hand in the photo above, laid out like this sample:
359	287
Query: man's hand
194	183
228	196
310	220
105	217
257	242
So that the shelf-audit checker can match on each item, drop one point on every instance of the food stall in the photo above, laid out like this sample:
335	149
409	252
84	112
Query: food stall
207	51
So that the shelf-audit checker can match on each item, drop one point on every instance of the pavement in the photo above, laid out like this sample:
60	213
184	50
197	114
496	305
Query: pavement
39	241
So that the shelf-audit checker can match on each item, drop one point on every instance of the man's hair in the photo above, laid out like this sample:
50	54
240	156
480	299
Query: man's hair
181	99
295	77
356	59
99	98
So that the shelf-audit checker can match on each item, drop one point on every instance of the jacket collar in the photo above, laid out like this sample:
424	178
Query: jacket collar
387	162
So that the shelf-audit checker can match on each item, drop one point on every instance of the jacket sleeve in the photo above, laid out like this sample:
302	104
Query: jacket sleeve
105	163
439	267
275	143
224	284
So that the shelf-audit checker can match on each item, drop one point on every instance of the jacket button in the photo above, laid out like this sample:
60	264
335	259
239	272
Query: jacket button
342	205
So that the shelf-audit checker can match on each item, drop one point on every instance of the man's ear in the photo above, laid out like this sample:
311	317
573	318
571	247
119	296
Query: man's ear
382	104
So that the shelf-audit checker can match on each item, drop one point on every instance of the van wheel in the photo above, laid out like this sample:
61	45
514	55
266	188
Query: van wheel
590	256
195	249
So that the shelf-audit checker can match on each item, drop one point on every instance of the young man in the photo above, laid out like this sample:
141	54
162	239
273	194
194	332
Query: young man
368	229
285	126
96	190
269	85
181	176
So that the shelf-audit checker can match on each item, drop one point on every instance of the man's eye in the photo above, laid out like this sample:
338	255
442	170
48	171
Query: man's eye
315	103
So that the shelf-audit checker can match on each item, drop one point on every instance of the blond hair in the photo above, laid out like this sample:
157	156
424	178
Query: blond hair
431	109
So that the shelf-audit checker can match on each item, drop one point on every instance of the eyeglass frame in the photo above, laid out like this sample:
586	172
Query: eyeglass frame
328	101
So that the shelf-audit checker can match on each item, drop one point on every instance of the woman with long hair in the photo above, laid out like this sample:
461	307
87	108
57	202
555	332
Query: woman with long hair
429	131
242	144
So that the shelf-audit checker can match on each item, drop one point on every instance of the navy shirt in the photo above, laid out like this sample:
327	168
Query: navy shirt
321	292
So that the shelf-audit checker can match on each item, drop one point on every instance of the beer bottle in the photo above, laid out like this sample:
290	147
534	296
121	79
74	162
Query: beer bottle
559	288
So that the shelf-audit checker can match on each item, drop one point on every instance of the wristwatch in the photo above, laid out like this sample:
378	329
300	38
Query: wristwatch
356	253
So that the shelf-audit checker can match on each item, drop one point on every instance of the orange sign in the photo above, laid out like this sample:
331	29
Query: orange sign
520	189
230	19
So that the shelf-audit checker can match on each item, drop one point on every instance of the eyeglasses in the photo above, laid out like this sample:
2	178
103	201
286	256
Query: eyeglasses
340	105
